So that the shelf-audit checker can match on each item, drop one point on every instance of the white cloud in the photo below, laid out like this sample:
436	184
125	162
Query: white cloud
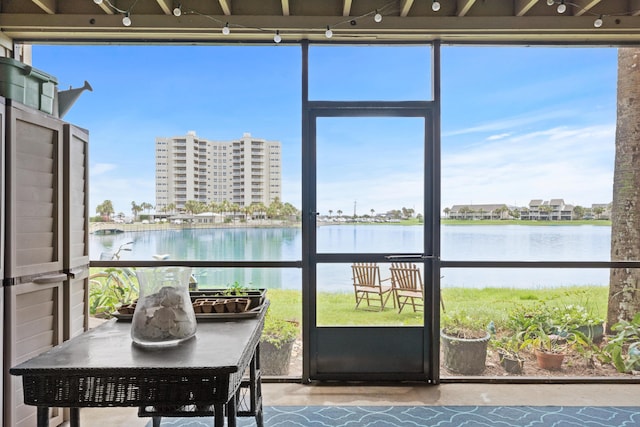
101	168
575	164
121	191
498	136
512	122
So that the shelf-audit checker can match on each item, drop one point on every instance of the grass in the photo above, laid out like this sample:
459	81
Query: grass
488	304
600	222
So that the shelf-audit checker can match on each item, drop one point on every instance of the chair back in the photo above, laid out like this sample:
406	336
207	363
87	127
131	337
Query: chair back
406	276
366	274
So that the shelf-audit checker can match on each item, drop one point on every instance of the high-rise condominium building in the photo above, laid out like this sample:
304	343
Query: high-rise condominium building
243	171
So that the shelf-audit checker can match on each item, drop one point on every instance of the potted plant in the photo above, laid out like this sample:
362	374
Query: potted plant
623	349
576	318
464	343
276	344
256	296
549	349
508	349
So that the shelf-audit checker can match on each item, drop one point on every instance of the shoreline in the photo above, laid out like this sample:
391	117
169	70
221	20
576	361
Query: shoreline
138	226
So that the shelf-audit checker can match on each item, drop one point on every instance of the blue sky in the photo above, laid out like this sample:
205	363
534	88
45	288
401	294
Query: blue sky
518	123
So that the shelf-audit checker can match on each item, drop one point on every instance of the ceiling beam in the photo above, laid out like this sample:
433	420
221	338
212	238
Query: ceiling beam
405	7
285	8
523	6
464	6
48	6
226	6
161	28
346	8
165	6
583	6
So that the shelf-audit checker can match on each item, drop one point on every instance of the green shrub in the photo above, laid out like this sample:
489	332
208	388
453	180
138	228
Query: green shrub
278	331
623	349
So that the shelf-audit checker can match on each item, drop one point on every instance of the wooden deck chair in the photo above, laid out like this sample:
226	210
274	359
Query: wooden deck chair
369	287
407	285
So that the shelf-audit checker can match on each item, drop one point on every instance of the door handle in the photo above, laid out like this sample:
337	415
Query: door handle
52	278
410	256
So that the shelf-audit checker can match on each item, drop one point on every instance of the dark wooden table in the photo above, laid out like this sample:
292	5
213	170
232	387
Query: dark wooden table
102	368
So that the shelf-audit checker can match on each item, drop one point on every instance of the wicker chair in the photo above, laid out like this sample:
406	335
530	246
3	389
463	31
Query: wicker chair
369	287
407	285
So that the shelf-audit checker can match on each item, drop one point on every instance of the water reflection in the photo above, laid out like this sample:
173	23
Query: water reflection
497	243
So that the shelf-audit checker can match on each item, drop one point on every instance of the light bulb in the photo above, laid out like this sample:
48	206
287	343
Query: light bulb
277	37
225	29
328	34
377	17
97	1
435	6
562	8
598	22
551	2
126	21
177	11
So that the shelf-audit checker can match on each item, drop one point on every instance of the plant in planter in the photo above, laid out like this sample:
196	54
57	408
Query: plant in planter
623	349
549	349
577	318
276	344
236	289
508	348
464	343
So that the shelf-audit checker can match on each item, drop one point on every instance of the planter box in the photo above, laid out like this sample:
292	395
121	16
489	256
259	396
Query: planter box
464	356
27	85
256	296
275	361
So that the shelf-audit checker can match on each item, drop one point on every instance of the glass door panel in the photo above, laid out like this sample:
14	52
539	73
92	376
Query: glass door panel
370	186
370	204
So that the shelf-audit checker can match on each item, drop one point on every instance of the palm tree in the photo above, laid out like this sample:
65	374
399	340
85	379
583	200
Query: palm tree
105	209
135	209
330	212
578	212
546	209
447	211
624	290
597	211
339	212
146	206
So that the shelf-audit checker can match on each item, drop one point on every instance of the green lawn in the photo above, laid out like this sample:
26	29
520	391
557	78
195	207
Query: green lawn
489	304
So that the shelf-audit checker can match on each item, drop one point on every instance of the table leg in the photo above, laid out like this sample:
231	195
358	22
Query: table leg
43	416
218	415
156	421
74	417
231	412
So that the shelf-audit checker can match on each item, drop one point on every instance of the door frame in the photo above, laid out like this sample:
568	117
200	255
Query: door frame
429	332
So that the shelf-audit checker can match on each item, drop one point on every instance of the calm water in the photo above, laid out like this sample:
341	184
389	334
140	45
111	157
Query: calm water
509	242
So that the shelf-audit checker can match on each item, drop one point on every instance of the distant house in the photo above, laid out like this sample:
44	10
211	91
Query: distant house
537	210
542	210
489	211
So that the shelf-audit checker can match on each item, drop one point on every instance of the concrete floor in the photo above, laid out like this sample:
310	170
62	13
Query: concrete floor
279	394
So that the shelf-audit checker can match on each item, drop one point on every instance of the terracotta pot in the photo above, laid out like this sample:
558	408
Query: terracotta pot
549	361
